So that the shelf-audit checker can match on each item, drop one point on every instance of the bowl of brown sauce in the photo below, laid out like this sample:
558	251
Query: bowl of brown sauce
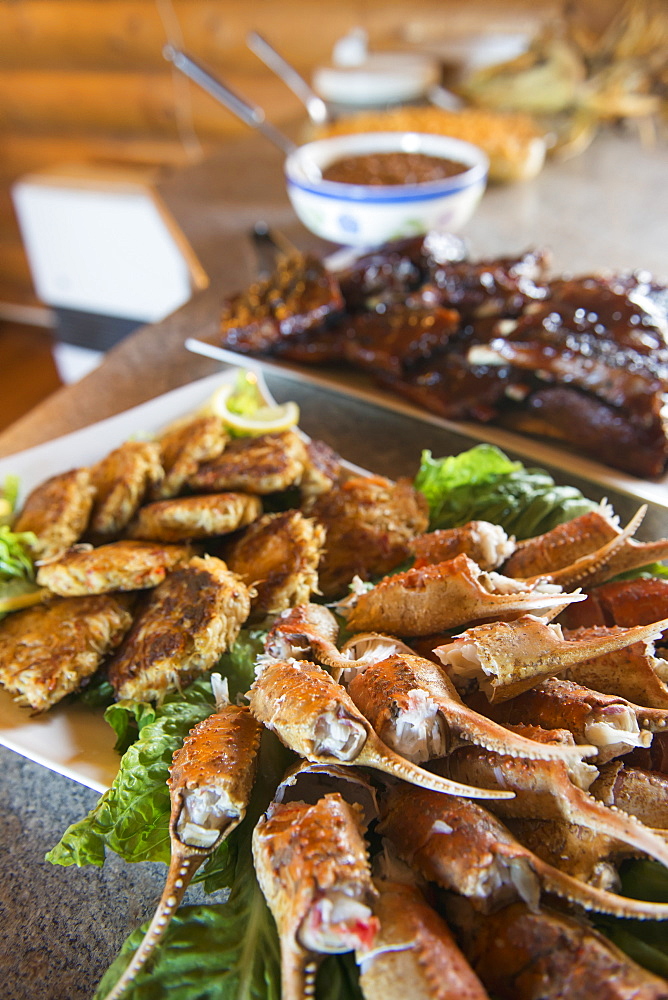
368	188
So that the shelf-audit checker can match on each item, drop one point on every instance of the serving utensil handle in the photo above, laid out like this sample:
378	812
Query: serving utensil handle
317	109
249	113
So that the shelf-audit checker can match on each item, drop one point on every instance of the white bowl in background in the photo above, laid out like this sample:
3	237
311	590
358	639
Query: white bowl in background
382	78
367	215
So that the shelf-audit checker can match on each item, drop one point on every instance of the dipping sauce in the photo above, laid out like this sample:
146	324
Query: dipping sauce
392	168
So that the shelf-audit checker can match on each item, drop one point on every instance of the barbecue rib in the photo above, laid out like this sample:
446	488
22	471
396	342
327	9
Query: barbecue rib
584	360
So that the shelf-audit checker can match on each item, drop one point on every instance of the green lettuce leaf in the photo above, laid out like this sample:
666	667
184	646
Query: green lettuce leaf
203	957
644	572
15	558
127	719
17	572
484	484
645	941
98	693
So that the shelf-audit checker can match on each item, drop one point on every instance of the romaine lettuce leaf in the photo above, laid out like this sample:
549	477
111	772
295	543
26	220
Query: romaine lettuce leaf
645	941
484	484
194	960
15	560
228	951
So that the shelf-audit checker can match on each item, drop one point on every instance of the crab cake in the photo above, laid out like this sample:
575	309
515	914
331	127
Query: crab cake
122	479
264	464
183	447
203	516
278	556
185	625
121	565
321	471
57	512
47	652
370	522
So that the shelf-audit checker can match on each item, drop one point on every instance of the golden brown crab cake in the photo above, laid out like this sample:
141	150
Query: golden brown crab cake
122	480
278	556
184	445
321	472
265	464
47	652
370	522
203	516
185	625
57	512
124	565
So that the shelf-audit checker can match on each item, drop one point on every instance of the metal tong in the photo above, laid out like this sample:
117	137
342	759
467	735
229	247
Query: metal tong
249	113
316	108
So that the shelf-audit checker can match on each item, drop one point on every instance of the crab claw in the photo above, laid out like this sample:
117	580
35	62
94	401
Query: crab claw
309	631
300	631
211	778
545	790
588	549
414	950
413	705
634	673
311	863
435	598
314	716
642	793
487	544
612	724
308	782
464	848
507	658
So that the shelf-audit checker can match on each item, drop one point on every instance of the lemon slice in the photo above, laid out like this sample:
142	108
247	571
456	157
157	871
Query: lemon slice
265	420
245	411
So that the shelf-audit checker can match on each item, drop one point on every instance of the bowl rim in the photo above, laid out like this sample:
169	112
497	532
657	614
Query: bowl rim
476	173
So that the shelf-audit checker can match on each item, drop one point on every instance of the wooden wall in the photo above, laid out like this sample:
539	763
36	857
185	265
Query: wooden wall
85	80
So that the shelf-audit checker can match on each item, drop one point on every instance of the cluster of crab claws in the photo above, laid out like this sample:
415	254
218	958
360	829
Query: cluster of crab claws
374	703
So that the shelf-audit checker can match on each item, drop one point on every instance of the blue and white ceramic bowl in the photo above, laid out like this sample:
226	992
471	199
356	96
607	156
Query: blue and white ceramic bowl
368	215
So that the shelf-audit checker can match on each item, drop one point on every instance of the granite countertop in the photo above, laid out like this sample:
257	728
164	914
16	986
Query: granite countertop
62	927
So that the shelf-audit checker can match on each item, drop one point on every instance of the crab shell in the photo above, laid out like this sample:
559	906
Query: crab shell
588	549
216	764
545	790
429	599
306	857
520	955
314	716
611	723
409	700
309	782
464	848
634	672
642	793
508	658
414	954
